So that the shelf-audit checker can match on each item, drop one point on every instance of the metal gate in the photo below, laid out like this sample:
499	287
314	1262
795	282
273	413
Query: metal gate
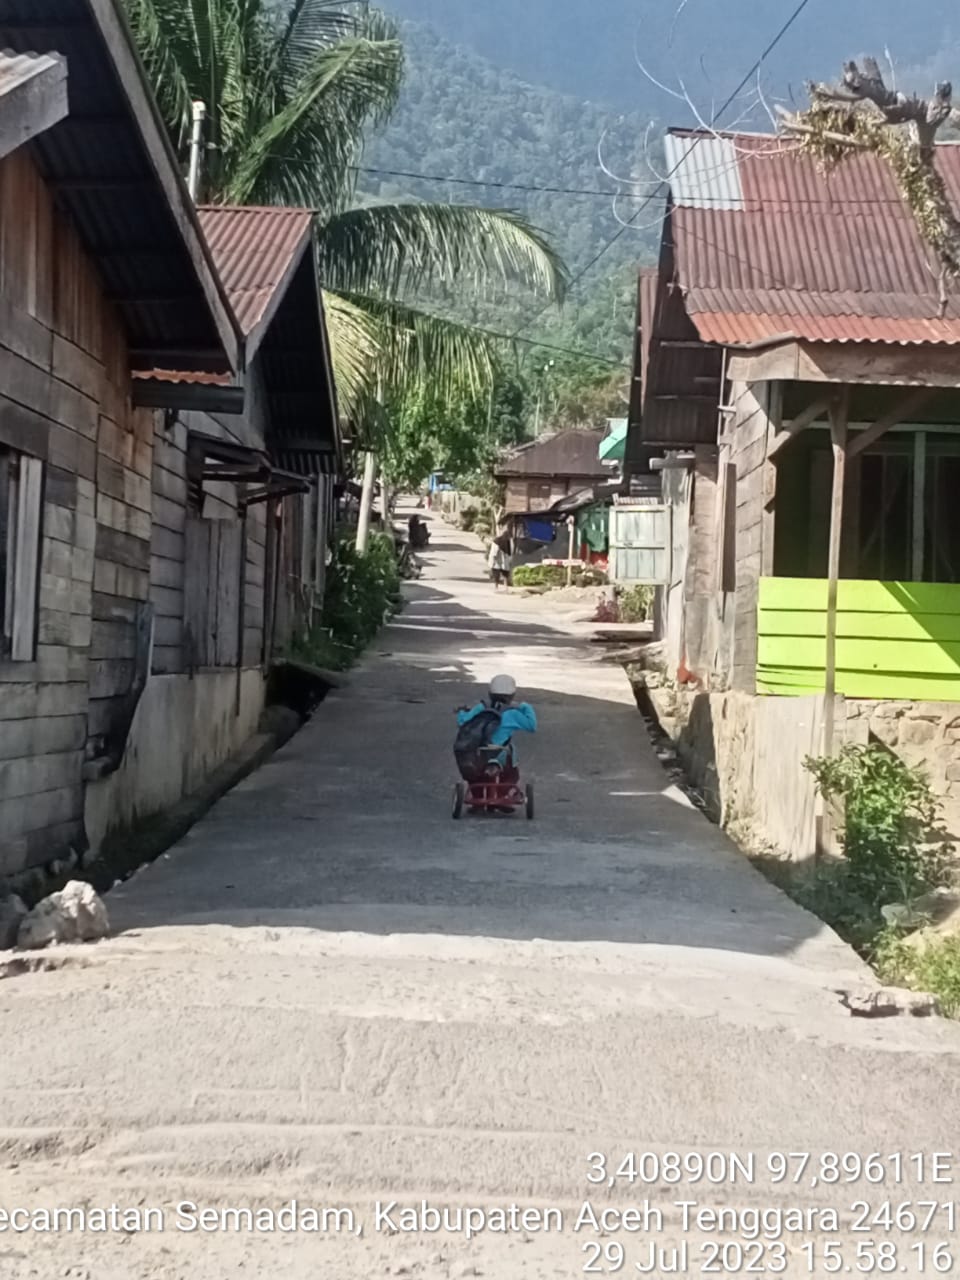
641	544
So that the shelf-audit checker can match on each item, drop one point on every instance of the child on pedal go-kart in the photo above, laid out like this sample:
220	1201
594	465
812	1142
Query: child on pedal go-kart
490	724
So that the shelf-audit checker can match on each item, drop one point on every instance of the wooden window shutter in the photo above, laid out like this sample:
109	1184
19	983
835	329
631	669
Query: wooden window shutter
26	560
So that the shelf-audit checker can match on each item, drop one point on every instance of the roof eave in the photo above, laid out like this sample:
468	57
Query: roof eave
118	38
255	337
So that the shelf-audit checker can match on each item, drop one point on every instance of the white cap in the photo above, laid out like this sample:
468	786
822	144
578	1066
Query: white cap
503	686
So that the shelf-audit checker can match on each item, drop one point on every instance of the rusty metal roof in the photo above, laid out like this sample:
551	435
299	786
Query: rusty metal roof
816	255
264	258
556	453
256	251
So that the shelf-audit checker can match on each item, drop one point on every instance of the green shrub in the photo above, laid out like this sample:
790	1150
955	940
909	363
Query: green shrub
468	519
552	575
933	966
636	604
362	591
890	817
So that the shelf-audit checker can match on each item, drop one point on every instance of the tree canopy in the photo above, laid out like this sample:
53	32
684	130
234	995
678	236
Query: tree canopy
291	93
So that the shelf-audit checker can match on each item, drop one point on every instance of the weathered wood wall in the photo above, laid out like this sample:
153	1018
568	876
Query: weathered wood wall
114	549
60	378
517	490
752	425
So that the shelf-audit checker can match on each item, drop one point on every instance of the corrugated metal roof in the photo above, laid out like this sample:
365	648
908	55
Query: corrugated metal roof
703	171
18	68
255	251
117	178
33	96
828	256
184	375
556	453
733	329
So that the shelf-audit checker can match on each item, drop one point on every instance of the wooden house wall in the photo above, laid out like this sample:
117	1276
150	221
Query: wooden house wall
195	572
746	520
64	399
518	490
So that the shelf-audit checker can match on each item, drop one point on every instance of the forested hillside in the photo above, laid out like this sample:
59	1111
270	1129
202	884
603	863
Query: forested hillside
461	117
586	47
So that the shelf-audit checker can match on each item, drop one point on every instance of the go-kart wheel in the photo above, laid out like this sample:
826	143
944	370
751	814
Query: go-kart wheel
529	800
459	795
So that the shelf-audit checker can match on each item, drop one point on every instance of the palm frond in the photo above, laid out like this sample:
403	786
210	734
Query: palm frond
420	351
397	247
309	25
302	152
161	30
355	347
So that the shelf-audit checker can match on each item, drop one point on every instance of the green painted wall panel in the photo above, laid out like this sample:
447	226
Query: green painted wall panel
894	639
856	625
876	656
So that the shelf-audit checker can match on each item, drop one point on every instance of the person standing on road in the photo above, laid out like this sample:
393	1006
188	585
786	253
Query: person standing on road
499	559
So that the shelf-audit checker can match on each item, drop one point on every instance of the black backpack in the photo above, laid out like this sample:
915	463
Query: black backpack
475	734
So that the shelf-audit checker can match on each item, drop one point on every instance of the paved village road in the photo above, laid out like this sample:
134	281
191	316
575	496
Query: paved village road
331	991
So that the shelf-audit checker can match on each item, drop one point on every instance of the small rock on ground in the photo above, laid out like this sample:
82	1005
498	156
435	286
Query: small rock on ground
75	914
890	1002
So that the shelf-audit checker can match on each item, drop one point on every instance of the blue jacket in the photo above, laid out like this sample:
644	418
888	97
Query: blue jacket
514	718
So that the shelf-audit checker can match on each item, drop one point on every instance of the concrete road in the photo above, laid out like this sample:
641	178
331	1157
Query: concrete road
329	991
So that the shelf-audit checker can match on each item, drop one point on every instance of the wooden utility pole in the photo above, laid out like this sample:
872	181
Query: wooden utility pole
838	437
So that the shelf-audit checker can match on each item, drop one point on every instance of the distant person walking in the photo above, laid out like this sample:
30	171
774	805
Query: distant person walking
499	559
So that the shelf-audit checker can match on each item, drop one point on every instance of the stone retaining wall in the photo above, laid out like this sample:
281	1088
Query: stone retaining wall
745	754
924	735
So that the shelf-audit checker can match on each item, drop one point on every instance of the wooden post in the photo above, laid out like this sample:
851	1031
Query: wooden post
919	508
320	545
366	501
768	515
838	436
241	607
573	533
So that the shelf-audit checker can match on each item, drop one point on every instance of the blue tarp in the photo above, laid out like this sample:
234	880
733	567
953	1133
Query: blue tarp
539	530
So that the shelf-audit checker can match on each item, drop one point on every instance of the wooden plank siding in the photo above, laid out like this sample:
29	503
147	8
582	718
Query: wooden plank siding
894	639
64	398
751	423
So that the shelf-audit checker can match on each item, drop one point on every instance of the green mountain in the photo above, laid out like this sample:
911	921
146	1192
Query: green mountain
462	117
587	47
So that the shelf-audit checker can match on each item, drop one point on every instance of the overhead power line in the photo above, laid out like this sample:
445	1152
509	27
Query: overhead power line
662	185
548	346
499	186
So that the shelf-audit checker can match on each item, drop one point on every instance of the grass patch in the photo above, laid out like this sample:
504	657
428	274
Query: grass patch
552	576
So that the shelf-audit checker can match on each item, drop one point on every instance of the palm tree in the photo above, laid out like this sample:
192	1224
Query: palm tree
291	89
